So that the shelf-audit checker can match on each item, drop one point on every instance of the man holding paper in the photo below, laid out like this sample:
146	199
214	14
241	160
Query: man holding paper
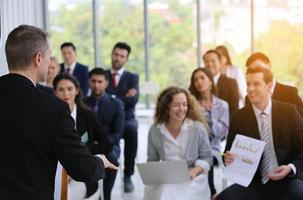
279	125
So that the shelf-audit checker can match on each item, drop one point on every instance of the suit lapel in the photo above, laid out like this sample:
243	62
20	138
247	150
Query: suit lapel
276	89
75	72
275	122
79	121
219	85
122	78
252	124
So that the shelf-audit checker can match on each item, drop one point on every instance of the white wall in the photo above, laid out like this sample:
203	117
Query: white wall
16	12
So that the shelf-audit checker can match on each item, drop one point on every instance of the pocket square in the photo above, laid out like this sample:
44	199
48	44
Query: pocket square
84	137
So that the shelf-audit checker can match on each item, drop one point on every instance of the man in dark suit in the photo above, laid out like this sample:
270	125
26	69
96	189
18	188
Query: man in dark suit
37	129
71	66
280	126
125	86
227	88
279	91
110	112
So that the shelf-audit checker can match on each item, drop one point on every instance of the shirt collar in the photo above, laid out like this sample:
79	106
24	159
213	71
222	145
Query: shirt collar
74	113
72	66
185	125
119	72
267	109
273	87
216	78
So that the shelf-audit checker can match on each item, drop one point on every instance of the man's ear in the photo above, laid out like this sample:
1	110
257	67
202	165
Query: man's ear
37	58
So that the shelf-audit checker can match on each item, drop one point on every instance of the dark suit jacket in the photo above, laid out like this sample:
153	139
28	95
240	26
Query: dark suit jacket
81	73
287	129
87	122
127	81
111	115
285	93
37	131
227	89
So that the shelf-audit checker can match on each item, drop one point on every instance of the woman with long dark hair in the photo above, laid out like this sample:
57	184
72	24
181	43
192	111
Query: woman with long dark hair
67	88
216	112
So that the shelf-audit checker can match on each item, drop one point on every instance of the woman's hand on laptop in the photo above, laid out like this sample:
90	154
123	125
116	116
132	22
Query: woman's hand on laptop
194	172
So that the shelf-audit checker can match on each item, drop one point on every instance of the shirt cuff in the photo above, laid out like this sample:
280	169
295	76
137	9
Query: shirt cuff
203	164
293	169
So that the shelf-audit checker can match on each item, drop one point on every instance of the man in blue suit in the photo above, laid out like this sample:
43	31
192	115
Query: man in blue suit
110	112
71	66
125	86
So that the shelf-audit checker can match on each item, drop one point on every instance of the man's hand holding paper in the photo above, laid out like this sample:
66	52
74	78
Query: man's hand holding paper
243	159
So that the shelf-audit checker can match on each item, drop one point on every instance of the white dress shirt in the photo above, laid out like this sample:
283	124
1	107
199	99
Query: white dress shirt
216	79
175	148
268	112
237	74
71	67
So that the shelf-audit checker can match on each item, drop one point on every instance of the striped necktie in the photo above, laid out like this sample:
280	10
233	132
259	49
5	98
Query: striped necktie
269	160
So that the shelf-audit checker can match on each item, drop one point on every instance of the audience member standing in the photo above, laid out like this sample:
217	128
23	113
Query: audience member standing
37	128
110	112
71	66
125	86
227	88
280	126
231	71
215	111
180	133
278	91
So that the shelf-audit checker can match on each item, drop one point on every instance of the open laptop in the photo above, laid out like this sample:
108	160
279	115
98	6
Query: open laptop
153	173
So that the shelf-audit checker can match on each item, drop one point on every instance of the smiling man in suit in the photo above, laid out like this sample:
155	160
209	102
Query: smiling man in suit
227	88
279	174
125	86
36	129
71	66
278	91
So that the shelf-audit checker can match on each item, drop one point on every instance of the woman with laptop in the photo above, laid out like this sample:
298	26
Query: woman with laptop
180	133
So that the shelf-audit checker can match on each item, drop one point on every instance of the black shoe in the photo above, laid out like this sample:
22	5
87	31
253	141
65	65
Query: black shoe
128	185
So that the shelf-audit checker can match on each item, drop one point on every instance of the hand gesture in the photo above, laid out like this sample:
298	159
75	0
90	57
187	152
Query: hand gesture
132	92
280	172
107	164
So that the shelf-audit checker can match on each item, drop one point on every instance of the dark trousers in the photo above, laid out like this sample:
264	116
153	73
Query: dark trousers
130	146
286	189
91	188
110	175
